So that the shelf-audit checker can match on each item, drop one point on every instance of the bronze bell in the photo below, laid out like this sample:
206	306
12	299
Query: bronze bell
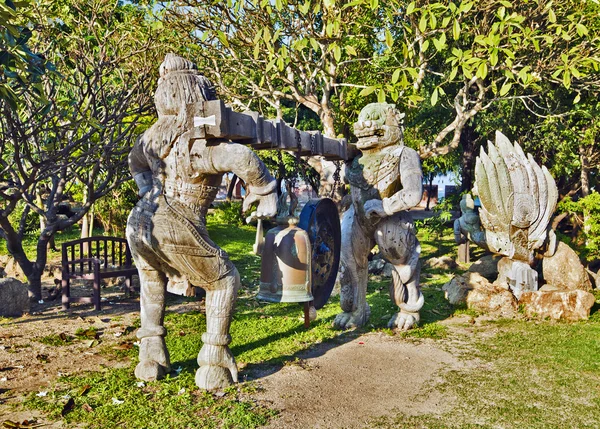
285	274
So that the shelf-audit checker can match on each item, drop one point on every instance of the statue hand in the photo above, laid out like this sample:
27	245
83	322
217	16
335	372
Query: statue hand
374	208
267	205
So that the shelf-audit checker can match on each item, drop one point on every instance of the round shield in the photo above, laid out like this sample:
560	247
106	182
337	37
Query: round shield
320	219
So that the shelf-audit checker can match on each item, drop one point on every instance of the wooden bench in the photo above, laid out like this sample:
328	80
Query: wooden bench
95	258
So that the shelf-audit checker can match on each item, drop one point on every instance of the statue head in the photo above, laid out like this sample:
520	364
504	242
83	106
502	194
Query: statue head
467	203
378	125
179	84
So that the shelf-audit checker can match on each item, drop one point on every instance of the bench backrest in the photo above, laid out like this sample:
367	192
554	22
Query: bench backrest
77	255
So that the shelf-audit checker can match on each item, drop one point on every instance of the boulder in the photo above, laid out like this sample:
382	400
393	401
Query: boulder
558	304
565	271
492	299
442	263
376	266
388	269
457	289
12	269
14	300
487	266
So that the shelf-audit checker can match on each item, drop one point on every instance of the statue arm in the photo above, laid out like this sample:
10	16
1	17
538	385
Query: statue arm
243	162
139	168
412	184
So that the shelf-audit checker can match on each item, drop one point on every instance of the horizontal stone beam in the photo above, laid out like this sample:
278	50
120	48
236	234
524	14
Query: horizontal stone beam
214	120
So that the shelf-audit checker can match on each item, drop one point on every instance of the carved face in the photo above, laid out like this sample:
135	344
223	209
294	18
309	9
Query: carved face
378	125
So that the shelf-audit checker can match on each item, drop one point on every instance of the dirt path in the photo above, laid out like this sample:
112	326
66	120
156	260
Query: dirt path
345	386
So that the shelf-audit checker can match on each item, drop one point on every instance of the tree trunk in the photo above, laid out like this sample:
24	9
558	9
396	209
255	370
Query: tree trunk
585	172
468	141
429	189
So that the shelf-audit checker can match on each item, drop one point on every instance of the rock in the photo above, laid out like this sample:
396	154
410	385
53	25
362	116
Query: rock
376	266
457	289
388	269
492	299
564	270
13	298
442	263
12	269
567	305
487	266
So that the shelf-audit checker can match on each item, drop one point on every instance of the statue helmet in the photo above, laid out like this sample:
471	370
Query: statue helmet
179	84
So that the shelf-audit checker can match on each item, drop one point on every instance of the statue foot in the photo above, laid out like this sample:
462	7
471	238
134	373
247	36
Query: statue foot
212	377
217	368
404	320
355	319
154	359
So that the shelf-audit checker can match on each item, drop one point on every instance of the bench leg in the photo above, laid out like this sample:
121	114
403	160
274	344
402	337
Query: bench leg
65	287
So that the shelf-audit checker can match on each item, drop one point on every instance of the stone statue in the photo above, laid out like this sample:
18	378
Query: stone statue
468	228
178	171
518	199
385	181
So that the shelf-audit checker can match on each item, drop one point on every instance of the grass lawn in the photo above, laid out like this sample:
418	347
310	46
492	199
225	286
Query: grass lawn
535	374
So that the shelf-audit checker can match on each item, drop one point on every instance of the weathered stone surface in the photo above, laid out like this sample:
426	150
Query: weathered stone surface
13	298
567	305
381	198
492	299
388	269
457	289
565	271
487	266
376	266
442	263
12	269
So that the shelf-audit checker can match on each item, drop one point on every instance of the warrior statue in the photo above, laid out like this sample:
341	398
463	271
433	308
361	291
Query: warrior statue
178	173
385	181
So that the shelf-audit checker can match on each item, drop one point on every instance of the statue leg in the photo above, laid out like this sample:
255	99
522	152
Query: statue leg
354	273
154	356
217	364
397	241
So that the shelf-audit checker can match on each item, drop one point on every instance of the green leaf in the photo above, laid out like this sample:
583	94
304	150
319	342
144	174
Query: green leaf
337	53
411	8
380	96
223	38
350	50
567	79
551	15
396	75
389	40
367	91
577	98
278	4
314	44
494	57
423	23
425	46
482	70
505	88
434	97
328	4
304	7
453	73
374	4
581	29
456	29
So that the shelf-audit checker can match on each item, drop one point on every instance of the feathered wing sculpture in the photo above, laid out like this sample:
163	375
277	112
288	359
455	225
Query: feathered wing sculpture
517	199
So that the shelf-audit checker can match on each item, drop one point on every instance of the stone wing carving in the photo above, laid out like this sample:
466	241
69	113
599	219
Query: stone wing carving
517	197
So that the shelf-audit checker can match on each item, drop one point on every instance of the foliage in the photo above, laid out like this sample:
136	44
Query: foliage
113	209
105	55
228	213
586	213
20	68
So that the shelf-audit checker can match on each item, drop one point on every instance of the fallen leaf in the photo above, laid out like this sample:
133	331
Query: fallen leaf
68	407
88	408
116	401
85	389
123	346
